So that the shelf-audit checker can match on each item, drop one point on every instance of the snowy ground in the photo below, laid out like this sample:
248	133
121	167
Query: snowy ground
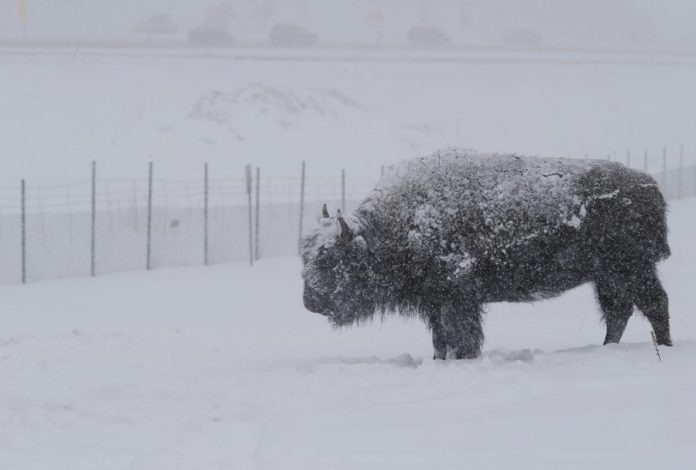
221	368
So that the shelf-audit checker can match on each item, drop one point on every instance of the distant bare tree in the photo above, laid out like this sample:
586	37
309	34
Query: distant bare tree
602	21
219	17
264	10
423	13
376	19
214	31
157	24
466	18
423	34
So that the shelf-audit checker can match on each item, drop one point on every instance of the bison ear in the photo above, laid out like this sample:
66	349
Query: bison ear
325	212
345	230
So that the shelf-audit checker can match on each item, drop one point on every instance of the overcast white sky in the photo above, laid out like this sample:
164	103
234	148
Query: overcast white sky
560	22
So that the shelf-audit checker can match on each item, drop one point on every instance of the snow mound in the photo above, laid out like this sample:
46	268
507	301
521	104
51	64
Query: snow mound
498	356
278	104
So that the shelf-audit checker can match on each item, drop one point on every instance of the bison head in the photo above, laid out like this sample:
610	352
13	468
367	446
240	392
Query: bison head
336	271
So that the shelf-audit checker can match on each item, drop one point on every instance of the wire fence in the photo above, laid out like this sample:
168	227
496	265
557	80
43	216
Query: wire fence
99	225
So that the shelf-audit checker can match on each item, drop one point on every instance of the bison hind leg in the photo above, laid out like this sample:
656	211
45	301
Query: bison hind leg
617	294
651	299
616	305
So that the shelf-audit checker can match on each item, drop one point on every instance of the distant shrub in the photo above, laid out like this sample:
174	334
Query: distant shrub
523	37
291	35
210	37
428	36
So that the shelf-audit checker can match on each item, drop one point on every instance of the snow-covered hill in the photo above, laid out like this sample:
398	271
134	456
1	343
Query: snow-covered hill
62	112
221	367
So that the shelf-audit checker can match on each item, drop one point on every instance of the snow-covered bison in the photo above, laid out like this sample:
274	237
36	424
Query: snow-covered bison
443	235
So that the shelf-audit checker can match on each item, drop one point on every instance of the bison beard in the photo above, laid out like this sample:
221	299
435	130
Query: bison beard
444	235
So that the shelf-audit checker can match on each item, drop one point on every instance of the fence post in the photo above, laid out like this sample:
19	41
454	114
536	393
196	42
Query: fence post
251	235
206	195
23	222
42	224
381	173
148	260
302	194
645	161
258	212
68	199
135	205
93	234
664	170
343	190
628	158
681	171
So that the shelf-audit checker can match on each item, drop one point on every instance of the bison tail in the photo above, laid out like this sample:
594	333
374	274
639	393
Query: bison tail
648	218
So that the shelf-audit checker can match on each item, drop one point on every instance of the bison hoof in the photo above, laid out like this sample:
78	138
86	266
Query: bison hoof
441	355
663	338
462	353
454	354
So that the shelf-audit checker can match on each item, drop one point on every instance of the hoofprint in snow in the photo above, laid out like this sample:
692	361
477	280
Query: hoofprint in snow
221	367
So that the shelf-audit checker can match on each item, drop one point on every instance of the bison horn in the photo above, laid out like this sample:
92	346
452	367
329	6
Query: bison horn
345	230
325	212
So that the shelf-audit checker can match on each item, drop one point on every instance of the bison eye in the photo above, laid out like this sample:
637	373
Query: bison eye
326	260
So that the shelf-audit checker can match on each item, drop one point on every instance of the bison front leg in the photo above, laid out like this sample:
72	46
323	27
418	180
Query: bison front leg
438	332
462	328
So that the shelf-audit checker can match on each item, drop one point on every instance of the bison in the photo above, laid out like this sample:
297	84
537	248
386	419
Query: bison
444	235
